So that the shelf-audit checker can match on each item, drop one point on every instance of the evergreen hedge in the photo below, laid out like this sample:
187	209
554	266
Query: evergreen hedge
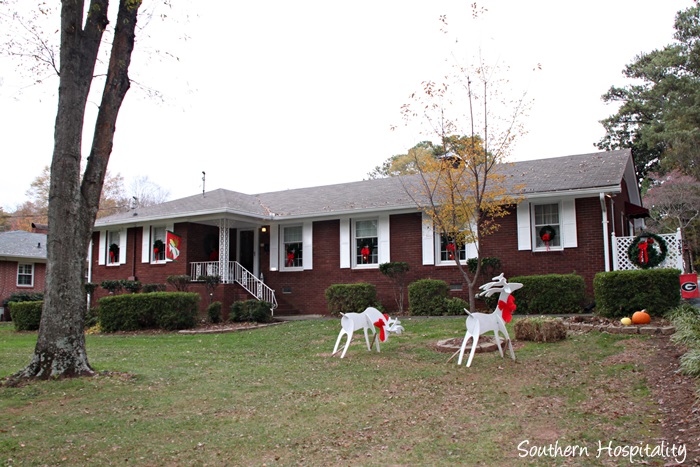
351	298
26	315
621	293
255	311
163	310
548	294
428	297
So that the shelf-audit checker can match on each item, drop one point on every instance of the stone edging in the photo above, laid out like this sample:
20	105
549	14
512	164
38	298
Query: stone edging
648	330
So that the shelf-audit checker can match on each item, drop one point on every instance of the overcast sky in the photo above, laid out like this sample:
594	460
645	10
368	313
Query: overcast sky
272	95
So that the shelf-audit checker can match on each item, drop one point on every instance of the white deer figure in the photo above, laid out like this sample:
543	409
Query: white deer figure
480	323
367	320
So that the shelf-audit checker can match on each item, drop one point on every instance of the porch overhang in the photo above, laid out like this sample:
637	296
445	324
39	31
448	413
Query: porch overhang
633	211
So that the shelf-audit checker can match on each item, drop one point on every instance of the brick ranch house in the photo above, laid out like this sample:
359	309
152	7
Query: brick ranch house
288	246
22	263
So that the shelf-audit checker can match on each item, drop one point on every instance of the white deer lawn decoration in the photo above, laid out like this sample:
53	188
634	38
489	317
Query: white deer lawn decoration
367	320
480	323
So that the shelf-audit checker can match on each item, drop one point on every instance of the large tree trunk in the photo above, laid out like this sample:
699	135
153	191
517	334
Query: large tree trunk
60	350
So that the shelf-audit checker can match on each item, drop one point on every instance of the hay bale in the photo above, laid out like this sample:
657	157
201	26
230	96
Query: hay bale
540	329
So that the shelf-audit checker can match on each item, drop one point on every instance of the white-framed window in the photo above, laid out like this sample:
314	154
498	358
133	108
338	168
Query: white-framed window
157	244
25	275
448	249
293	246
366	242
546	226
113	244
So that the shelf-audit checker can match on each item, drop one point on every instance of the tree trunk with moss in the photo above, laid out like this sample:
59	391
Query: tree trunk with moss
73	201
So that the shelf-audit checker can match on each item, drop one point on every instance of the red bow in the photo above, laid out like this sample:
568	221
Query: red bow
380	324
507	308
643	254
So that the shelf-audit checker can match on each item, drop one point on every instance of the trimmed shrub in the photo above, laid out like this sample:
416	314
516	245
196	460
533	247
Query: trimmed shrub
455	306
549	294
540	329
23	297
351	298
428	297
148	288
131	286
26	315
214	312
251	311
621	293
113	286
164	310
180	282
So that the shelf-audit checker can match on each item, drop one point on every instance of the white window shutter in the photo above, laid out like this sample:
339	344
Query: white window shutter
568	223
308	239
384	239
102	248
344	243
524	231
146	244
274	247
428	239
122	246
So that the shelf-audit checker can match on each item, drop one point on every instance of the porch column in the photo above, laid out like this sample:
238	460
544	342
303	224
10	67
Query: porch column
223	251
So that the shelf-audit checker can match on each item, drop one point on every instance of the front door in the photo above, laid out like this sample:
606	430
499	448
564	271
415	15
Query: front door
246	252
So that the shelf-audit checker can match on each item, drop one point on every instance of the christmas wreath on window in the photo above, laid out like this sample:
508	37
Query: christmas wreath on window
547	234
158	246
647	251
113	252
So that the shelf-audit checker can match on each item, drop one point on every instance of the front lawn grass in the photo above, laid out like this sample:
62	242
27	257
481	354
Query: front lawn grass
275	396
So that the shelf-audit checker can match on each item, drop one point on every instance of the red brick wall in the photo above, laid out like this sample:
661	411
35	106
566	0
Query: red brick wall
586	260
8	279
304	291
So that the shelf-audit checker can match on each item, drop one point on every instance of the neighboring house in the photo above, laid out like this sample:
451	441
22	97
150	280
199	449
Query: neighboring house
22	263
298	242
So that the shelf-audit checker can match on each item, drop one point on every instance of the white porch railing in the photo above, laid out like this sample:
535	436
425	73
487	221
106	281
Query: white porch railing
237	274
674	253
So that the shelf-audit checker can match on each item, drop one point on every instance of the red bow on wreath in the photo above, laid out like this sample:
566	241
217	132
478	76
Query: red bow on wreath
290	259
451	250
643	250
365	254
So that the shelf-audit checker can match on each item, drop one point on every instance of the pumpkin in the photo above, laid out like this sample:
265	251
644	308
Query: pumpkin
626	321
641	317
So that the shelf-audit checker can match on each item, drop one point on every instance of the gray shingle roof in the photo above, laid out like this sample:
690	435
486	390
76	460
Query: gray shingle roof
18	244
559	174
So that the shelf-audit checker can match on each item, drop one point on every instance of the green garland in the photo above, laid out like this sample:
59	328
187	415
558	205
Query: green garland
654	256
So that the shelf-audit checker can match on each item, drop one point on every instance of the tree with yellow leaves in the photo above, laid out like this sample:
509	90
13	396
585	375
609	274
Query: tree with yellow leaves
461	189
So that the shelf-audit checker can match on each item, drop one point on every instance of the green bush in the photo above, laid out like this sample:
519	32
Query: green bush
26	315
489	266
428	297
164	310
621	293
180	282
112	286
148	288
455	306
214	312
131	286
23	297
350	298
549	294
251	311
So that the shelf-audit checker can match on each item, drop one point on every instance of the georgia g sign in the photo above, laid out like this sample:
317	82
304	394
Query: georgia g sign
689	286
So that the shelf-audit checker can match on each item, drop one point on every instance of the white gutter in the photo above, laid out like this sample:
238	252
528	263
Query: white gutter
606	239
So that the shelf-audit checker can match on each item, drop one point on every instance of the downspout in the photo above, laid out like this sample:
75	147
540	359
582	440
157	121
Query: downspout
606	238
